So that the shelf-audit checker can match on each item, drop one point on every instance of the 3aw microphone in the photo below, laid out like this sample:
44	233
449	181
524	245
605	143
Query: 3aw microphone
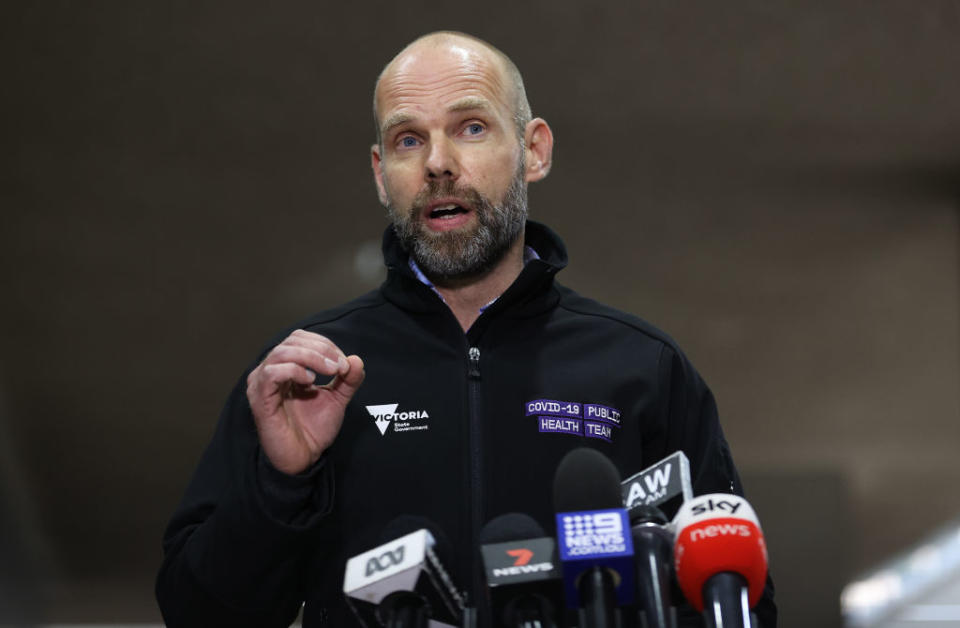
402	584
522	572
720	558
665	484
594	537
653	548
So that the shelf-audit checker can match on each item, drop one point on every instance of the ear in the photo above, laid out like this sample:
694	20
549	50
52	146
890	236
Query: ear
539	149
376	161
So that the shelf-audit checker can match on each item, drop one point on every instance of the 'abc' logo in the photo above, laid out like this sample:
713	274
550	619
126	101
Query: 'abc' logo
384	561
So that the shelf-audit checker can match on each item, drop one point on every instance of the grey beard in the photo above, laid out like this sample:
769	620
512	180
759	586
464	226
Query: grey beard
459	254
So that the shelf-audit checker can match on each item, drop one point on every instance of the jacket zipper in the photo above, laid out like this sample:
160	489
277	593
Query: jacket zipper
473	390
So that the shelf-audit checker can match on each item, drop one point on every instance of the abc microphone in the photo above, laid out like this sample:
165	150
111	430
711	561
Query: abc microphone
402	583
522	572
596	549
720	558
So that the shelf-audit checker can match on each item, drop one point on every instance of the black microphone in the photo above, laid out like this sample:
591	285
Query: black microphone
596	548
653	549
522	572
402	583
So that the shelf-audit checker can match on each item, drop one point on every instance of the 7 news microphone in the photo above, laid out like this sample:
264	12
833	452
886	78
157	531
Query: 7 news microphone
720	558
403	583
596	549
524	585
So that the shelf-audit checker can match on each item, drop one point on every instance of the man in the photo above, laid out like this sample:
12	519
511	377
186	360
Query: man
429	408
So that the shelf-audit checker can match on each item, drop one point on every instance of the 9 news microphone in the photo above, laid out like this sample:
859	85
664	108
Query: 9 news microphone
402	583
721	558
593	533
522	572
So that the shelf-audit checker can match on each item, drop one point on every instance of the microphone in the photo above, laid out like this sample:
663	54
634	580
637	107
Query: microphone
402	583
522	572
720	558
665	484
596	549
653	547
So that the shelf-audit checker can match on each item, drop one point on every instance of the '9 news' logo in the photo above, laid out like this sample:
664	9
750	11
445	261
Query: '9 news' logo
593	533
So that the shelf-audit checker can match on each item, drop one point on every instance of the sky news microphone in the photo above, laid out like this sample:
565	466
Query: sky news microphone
522	572
593	532
720	558
665	484
653	549
402	583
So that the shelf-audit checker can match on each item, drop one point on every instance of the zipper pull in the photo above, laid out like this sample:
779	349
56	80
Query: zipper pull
474	356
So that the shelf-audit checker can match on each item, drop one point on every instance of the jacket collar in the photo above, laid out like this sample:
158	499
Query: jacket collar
529	294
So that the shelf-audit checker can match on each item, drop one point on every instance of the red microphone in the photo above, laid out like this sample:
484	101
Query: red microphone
720	558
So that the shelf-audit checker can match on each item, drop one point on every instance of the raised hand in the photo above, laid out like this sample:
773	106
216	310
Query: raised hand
296	419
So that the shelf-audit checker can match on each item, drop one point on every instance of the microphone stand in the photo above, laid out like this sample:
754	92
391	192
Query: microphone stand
725	602
599	606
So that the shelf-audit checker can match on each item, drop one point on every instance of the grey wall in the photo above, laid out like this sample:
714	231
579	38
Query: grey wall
776	184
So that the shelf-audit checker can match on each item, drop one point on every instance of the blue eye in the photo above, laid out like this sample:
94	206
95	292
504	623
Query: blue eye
408	142
475	129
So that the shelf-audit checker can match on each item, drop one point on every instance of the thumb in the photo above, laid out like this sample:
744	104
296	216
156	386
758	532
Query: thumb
346	384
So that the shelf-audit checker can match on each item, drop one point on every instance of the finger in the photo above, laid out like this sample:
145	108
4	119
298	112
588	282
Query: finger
313	341
279	374
307	336
343	366
303	333
266	384
326	347
346	384
327	363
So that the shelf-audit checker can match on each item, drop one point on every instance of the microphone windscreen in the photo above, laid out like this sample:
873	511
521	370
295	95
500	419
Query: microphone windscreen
510	527
586	480
718	533
647	514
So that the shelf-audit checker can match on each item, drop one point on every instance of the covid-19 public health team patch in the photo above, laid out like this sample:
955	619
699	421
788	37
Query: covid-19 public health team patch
592	420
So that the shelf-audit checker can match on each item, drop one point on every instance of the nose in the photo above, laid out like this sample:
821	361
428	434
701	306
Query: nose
442	161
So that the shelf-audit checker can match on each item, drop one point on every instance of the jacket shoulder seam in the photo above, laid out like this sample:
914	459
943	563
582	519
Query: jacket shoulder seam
623	319
329	316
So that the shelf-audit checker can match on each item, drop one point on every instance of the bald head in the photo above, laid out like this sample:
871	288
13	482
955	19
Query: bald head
469	49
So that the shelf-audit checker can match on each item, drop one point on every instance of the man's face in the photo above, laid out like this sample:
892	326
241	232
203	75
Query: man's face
450	167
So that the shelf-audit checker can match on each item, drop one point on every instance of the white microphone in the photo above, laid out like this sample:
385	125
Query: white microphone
403	584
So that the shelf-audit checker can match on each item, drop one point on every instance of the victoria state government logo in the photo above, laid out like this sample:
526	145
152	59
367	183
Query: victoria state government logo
406	421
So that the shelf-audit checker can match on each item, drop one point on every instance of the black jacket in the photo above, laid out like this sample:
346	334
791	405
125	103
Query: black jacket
247	544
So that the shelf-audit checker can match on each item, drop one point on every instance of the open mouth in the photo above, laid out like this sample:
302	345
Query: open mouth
447	214
448	211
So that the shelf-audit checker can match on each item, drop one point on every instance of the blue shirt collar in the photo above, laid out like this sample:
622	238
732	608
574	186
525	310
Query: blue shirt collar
528	255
